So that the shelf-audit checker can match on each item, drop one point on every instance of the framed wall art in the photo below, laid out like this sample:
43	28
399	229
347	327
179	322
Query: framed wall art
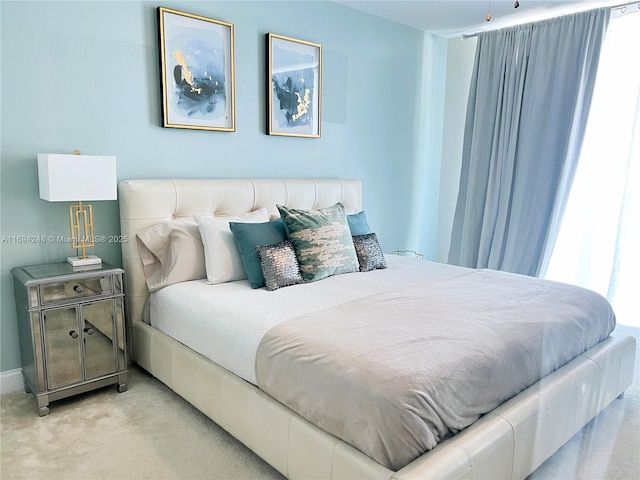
197	67
294	87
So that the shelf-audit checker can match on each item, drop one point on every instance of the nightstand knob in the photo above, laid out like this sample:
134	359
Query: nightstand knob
88	331
77	288
73	334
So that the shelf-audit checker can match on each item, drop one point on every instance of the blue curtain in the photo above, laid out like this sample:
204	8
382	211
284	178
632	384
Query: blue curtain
528	104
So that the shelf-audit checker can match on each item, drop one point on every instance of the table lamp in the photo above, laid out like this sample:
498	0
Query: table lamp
78	178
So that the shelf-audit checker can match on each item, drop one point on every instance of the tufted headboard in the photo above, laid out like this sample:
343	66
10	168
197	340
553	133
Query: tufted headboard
146	202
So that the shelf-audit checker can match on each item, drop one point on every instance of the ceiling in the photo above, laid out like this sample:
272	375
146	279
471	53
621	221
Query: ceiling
453	18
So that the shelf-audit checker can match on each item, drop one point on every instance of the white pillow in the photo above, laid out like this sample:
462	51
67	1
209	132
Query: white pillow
171	252
222	258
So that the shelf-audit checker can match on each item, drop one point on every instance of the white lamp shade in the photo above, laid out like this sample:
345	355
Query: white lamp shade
69	178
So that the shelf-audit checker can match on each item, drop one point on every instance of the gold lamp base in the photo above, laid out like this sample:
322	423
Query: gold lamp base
81	229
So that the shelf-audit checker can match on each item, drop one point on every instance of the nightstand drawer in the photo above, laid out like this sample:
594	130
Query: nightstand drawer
73	289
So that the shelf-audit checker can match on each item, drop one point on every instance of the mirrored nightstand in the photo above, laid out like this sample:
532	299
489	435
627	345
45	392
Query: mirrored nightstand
71	329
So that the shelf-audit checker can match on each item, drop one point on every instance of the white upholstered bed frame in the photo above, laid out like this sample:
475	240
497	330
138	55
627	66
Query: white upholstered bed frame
509	442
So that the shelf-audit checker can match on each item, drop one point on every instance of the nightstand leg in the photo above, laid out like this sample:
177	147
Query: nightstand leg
122	383
43	405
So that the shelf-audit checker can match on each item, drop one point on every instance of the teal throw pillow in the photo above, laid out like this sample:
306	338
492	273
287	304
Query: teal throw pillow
322	241
358	224
248	236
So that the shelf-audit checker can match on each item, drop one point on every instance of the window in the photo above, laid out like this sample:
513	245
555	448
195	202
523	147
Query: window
598	246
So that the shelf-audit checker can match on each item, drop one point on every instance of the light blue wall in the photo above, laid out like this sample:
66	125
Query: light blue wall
84	75
460	59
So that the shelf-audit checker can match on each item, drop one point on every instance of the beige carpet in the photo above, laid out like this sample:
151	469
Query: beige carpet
149	432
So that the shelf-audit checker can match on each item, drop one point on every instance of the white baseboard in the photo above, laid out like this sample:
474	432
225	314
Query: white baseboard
11	381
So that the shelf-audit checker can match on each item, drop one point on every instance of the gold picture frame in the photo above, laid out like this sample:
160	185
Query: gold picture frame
294	87
197	67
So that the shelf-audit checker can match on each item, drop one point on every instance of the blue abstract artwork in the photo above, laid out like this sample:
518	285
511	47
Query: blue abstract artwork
197	64
293	91
198	70
295	87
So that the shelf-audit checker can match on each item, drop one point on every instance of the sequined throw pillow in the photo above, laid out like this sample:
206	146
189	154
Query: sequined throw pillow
370	256
322	241
279	265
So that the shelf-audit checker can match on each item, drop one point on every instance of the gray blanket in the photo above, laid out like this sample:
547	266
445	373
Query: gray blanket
394	374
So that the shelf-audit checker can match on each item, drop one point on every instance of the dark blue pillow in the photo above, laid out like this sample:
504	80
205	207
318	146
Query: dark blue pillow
248	236
358	224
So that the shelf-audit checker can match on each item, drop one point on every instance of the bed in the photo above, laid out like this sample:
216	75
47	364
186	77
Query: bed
508	441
